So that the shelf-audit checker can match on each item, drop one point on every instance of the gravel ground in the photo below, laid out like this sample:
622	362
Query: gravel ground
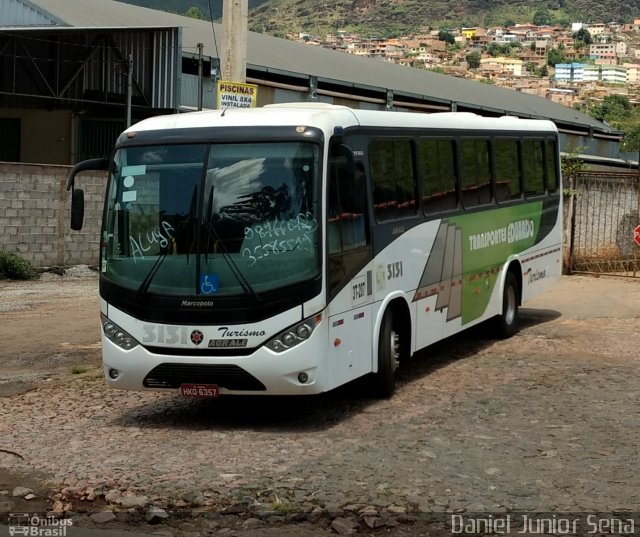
546	421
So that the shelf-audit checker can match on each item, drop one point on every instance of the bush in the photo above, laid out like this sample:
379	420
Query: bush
16	267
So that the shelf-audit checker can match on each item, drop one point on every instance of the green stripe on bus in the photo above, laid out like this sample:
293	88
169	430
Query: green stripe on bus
488	239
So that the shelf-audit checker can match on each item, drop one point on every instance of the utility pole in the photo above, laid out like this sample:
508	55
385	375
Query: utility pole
234	40
200	47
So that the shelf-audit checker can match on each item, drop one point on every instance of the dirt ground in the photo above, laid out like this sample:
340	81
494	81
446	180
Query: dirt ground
48	327
544	422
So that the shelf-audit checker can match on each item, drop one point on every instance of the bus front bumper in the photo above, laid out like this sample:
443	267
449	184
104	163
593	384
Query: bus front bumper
295	371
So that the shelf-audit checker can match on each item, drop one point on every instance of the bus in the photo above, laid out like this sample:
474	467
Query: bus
293	248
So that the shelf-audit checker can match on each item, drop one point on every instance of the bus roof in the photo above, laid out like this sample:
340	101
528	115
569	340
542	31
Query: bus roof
327	117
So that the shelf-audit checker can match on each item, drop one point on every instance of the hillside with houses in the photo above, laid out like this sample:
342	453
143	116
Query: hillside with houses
576	66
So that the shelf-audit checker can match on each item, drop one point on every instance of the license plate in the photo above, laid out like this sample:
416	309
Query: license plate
210	391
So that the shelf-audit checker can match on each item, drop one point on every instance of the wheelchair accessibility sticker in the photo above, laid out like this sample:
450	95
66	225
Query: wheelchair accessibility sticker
209	284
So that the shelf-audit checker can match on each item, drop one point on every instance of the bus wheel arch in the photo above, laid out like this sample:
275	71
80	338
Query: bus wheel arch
393	346
506	323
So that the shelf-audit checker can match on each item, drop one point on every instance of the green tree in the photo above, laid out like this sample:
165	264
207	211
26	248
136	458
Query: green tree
446	35
542	17
494	49
571	163
473	59
631	140
540	72
582	38
612	109
556	56
514	48
617	111
195	13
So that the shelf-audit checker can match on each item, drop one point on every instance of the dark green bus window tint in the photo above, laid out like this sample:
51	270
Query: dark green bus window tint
507	169
553	182
475	173
533	167
393	178
436	160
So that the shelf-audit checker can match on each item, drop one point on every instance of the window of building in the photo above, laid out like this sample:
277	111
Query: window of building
190	67
10	139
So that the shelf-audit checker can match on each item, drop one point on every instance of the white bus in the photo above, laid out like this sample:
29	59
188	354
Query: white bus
294	248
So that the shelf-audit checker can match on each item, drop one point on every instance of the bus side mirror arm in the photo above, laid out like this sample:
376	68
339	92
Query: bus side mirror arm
96	164
77	194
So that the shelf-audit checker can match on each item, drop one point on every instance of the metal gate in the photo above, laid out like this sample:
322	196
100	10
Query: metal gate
604	224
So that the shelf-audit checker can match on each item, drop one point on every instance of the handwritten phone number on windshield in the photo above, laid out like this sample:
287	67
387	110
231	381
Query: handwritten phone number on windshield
274	248
281	228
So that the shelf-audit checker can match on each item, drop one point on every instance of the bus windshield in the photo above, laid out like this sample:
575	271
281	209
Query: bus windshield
212	219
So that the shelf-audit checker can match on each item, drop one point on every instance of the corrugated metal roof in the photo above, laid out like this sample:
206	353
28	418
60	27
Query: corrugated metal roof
269	53
24	13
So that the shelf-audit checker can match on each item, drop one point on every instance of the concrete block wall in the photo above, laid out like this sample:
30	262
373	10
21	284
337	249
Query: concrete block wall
35	214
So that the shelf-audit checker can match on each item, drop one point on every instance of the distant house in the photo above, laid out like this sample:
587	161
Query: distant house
508	38
607	51
613	74
501	65
570	72
597	29
585	73
469	33
633	73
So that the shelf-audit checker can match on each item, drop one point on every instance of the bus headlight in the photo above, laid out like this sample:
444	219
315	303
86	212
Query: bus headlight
294	335
117	335
303	331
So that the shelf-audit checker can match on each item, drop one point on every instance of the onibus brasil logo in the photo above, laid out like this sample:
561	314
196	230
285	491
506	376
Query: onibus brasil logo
38	525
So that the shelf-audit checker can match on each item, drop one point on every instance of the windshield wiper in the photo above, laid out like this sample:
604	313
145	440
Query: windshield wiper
146	283
144	286
242	280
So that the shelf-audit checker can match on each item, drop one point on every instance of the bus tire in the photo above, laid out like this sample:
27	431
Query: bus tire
384	380
506	324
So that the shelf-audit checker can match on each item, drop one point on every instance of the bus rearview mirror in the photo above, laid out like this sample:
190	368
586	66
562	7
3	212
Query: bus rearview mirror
77	209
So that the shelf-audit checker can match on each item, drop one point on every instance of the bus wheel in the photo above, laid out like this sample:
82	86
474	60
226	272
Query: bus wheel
384	381
506	323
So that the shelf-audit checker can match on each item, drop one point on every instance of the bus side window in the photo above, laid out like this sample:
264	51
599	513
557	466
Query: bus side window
438	172
347	222
553	180
475	173
393	178
506	166
533	167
